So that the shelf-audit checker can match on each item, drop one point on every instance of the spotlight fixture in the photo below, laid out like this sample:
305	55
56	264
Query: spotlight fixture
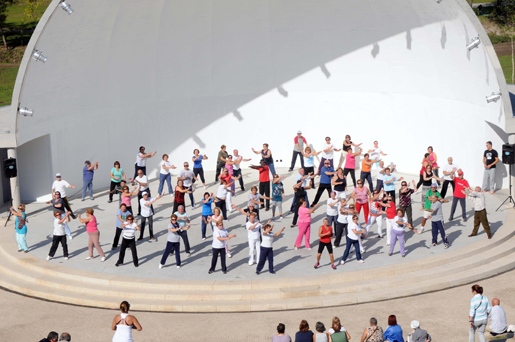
438	1
494	97
474	43
25	111
38	56
5	132
66	7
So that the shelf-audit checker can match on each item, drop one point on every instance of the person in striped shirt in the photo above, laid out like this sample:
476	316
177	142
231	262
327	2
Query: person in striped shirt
478	314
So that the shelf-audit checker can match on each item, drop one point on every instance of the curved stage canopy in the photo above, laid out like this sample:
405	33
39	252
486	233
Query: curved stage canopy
178	75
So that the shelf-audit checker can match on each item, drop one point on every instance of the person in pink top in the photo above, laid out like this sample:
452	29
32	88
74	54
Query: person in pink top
304	223
94	234
126	196
350	163
362	198
432	159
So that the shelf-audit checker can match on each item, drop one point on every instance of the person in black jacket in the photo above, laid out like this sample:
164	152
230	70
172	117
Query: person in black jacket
52	337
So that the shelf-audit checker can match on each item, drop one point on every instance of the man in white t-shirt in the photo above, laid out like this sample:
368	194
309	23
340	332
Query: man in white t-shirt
188	178
327	154
236	167
147	213
141	161
60	185
376	153
498	323
164	175
448	170
253	229
142	180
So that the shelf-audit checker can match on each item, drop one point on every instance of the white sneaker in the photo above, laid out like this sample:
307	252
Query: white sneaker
251	263
362	250
203	239
103	259
361	261
280	218
48	257
229	255
71	237
178	266
160	266
89	258
342	263
296	248
188	254
65	258
309	249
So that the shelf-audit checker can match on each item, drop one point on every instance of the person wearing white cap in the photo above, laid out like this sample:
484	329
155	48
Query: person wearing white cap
61	185
418	335
298	147
147	213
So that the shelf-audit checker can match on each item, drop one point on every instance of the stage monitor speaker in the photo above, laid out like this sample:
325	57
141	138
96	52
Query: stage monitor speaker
508	154
10	170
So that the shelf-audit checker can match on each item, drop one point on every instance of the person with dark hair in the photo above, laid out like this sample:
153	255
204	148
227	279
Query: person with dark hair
59	235
281	335
478	314
165	175
366	165
180	191
394	331
238	159
321	335
346	144
299	193
304	214
432	160
198	170
425	163
60	185
267	252
437	221
20	227
52	337
353	232
398	225
173	241
128	241
65	337
142	181
147	213
266	156
337	331
304	334
326	175
93	233
459	195
188	178
121	217
405	193
221	195
87	178
325	233
141	161
327	155
220	238
350	163
126	196
124	323
220	161
373	333
490	158
207	212
117	176
264	181
58	204
298	147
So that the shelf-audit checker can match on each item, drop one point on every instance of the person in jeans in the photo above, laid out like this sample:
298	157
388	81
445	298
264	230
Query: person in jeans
164	175
87	178
60	186
277	196
480	216
188	178
141	161
207	212
129	241
266	156
478	314
220	161
117	176
342	221
326	173
459	195
437	221
59	235
221	195
121	217
236	168
353	232
281	335
198	170
173	241
405	193
264	182
298	147
147	213
183	220
267	252
220	237
366	165
490	158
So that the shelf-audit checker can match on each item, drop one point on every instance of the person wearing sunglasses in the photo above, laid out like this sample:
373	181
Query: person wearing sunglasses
398	226
325	233
59	235
366	165
220	237
436	218
389	182
362	195
327	154
350	163
165	176
427	205
346	143
21	227
58	204
391	211
173	241
188	178
353	233
128	241
326	175
376	213
60	185
405	193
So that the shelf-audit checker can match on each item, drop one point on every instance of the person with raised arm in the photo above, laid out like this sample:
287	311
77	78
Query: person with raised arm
304	224
277	196
183	220
425	163
59	235
180	191
188	178
353	233
436	217
325	233
207	212
342	222
427	205
264	181
142	181
141	161
362	199
220	161
405	193
350	163
129	241
376	153
58	204
389	182
220	237
460	184
299	193
309	163
380	176
60	185
93	233
327	154
117	176
227	174
305	178
165	175
376	213
432	160
173	242
339	182
398	225
236	168
266	156
267	252
366	165
20	227
449	169
346	143
298	146
121	217
147	213
253	227
123	324
87	178
326	174
221	195
198	170
127	196
252	208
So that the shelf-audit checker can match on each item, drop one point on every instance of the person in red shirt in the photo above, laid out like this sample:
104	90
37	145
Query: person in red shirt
325	233
391	213
458	196
264	182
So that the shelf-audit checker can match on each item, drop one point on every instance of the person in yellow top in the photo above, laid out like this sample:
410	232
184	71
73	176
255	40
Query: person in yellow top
366	164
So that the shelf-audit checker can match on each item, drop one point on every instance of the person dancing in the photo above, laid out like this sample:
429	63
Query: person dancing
325	233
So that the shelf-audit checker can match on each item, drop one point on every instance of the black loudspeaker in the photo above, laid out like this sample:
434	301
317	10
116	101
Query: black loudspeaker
508	154
10	170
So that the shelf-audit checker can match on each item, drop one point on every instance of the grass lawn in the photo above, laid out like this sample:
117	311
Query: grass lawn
7	79
19	30
506	67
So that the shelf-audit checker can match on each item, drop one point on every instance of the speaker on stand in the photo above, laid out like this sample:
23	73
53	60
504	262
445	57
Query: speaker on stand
508	158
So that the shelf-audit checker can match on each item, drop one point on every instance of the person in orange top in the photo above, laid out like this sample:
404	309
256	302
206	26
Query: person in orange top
325	233
366	164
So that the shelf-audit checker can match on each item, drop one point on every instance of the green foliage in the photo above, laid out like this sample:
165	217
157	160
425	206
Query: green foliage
499	38
504	14
506	67
32	12
7	79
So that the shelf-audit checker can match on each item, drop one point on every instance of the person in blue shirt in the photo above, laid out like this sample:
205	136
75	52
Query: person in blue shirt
198	171
207	212
21	228
326	173
277	196
121	217
394	331
389	182
87	178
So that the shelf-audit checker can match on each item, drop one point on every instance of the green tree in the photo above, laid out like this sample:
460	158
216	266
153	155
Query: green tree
504	13
31	10
3	15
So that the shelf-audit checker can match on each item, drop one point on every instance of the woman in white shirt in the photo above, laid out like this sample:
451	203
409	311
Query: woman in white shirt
124	323
376	153
164	175
354	231
59	235
221	195
398	232
332	209
309	165
129	241
220	237
267	253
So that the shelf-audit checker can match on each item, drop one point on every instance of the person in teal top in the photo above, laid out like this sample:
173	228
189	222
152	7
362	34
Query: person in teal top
21	228
117	175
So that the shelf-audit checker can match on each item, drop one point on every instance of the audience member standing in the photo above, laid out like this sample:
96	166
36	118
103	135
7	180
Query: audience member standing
87	178
449	169
298	147
480	216
61	185
141	161
478	314
490	158
124	323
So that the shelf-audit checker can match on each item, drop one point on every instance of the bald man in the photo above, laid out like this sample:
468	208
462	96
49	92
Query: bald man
498	323
480	217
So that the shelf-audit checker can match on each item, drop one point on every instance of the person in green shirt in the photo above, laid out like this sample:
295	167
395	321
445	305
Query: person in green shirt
427	205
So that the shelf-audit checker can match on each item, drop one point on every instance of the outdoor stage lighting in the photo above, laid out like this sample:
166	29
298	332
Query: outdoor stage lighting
25	111
38	56
438	1
66	7
494	97
474	43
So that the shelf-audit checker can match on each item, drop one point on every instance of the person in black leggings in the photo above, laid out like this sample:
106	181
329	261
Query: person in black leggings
425	163
326	174
350	158
198	170
299	193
